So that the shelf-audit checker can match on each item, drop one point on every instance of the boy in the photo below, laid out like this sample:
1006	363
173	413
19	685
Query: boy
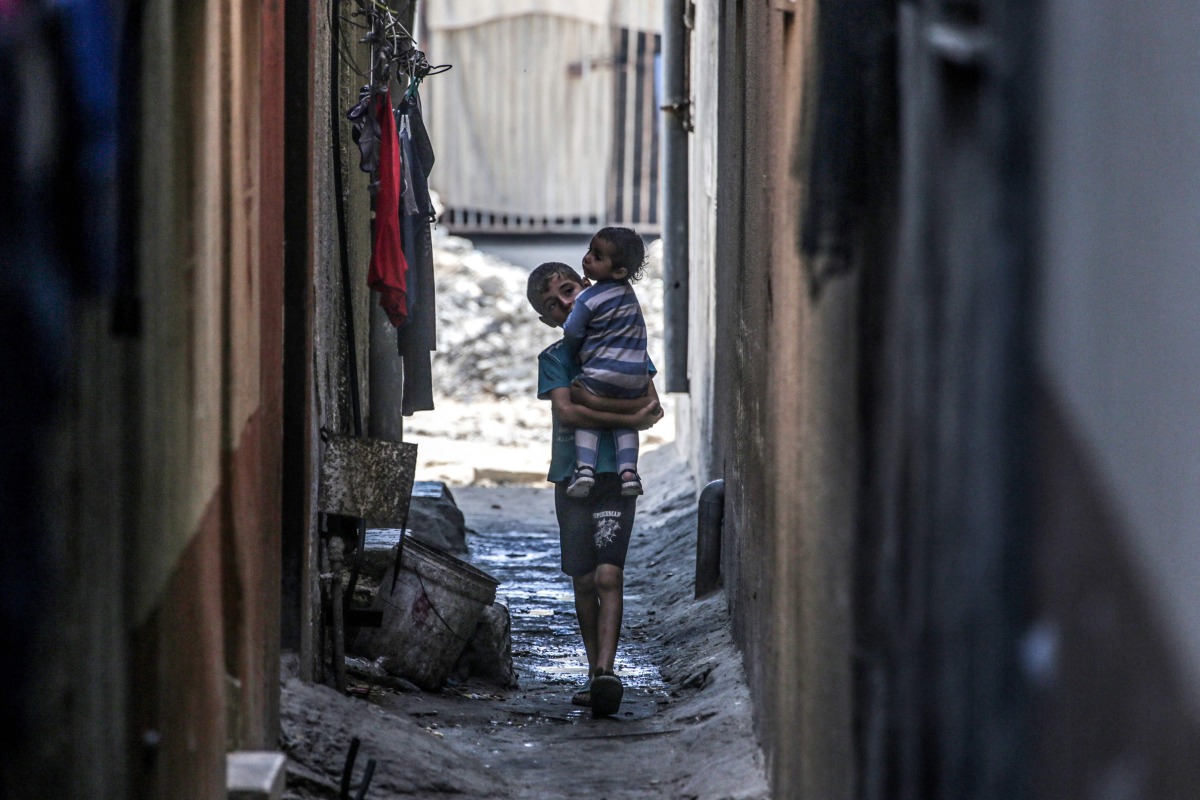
594	530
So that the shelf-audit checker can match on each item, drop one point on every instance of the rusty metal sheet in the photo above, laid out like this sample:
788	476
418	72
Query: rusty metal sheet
367	478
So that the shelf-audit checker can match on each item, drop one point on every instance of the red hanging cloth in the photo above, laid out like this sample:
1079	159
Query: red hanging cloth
389	269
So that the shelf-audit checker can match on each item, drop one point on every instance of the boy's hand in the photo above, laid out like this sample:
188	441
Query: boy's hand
648	416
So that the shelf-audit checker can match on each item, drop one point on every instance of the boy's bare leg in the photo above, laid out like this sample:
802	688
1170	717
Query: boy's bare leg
610	590
587	612
599	606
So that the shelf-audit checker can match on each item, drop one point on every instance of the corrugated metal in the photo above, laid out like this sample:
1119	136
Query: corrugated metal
640	14
531	124
633	185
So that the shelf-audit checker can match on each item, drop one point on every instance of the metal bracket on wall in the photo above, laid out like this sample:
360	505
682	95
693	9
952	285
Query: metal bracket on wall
683	110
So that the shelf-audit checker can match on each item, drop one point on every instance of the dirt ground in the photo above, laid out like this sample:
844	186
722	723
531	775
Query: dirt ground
685	728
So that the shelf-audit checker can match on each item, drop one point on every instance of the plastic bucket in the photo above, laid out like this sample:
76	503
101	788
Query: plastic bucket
430	615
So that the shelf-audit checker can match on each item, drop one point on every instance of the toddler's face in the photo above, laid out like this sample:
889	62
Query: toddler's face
559	299
598	261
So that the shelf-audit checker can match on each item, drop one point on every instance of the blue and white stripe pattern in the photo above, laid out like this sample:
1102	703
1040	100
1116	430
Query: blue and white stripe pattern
607	333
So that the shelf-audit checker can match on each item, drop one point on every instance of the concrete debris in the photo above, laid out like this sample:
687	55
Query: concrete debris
376	673
434	518
488	656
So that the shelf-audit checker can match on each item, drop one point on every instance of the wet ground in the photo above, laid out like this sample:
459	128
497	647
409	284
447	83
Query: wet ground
684	729
547	651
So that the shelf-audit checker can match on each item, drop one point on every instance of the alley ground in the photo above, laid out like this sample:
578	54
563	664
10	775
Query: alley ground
684	730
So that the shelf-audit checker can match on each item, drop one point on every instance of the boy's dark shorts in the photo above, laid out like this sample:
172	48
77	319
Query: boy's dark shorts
595	529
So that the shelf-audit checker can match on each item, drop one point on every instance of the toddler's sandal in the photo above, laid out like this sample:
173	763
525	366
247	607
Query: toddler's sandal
582	482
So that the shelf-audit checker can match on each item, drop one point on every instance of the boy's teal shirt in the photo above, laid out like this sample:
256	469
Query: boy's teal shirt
556	369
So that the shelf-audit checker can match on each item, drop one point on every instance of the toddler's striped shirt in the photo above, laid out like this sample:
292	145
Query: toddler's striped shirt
607	333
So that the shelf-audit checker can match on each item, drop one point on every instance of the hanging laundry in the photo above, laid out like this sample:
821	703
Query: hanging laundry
366	133
416	340
388	273
410	108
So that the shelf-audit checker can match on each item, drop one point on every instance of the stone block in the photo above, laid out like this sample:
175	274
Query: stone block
488	656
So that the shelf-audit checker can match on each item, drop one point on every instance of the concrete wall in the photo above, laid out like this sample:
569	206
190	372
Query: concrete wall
181	468
331	384
694	409
940	354
772	371
161	650
206	398
863	388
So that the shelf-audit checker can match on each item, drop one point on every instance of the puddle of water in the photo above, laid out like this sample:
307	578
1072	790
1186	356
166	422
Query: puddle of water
566	665
547	649
567	596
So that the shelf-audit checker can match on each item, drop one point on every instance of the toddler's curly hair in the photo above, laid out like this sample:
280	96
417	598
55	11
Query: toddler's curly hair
630	250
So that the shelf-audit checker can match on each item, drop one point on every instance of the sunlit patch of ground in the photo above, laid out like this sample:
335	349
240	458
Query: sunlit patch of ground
495	442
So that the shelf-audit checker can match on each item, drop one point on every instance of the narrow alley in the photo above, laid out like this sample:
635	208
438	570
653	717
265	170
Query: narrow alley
684	729
919	291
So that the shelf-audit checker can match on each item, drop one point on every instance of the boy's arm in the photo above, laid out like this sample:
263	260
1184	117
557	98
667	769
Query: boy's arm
580	416
616	405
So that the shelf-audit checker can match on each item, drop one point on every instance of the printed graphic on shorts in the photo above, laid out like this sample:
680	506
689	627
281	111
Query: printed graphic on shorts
607	525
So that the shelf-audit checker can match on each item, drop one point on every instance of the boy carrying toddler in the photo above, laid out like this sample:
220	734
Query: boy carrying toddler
606	333
594	530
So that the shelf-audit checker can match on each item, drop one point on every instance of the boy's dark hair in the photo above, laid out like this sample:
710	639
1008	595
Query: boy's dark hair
630	250
539	282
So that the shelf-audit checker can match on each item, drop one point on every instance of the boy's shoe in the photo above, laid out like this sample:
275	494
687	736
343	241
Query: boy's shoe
632	486
606	694
582	482
584	696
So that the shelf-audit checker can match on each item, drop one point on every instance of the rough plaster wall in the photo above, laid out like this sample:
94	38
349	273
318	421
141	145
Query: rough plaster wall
143	440
784	372
199	409
785	405
250	548
330	342
330	380
179	396
271	246
813	424
182	390
331	373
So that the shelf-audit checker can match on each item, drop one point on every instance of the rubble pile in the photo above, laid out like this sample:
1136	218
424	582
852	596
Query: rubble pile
489	337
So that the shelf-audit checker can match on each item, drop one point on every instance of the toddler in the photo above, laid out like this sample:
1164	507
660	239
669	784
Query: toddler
606	333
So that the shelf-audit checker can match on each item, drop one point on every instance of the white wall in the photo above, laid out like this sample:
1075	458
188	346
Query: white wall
694	410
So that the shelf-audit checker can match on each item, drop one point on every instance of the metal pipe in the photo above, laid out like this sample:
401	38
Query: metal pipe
676	122
385	381
337	549
709	521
